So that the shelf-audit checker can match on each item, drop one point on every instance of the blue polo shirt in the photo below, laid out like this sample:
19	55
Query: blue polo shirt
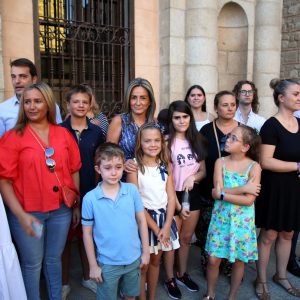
88	141
115	228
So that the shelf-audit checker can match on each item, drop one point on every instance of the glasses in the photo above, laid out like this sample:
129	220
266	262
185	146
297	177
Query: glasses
233	138
50	163
246	92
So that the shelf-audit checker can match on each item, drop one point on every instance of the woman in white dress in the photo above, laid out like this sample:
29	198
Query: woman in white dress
11	280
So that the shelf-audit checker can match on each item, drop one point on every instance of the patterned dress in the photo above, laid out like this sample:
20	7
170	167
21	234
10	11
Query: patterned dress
128	136
231	232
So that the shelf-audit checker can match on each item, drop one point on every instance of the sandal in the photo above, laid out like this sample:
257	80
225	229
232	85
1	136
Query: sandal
265	294
207	297
291	290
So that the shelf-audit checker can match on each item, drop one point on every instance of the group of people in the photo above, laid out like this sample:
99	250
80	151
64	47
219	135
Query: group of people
144	186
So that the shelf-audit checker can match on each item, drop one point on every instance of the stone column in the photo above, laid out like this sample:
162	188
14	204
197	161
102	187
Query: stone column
267	51
172	39
17	35
201	53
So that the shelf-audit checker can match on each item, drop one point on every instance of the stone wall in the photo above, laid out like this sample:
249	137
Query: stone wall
290	46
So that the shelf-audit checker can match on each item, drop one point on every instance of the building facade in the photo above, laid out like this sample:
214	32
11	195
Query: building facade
174	44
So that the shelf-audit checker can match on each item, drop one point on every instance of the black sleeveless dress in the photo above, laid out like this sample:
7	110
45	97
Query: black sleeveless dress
278	205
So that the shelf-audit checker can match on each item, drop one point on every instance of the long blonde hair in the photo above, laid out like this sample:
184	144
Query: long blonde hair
47	94
163	156
148	87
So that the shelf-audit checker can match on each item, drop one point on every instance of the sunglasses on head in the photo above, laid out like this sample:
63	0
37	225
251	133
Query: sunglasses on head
50	163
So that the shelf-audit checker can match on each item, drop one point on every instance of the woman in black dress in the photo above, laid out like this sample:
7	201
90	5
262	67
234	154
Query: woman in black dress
278	206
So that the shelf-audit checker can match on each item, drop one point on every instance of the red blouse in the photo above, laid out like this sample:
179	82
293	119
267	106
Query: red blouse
22	160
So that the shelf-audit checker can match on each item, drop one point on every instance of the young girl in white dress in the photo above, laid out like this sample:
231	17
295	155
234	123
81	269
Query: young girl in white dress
155	183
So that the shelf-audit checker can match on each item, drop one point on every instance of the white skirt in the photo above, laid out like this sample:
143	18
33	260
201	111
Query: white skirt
11	280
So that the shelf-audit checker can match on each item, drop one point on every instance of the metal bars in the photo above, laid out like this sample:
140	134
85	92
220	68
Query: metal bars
87	41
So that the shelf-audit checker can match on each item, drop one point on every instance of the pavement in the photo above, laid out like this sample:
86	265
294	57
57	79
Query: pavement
246	290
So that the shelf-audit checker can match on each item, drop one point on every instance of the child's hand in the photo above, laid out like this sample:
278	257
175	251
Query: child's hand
164	236
252	187
188	184
96	273
145	258
131	166
216	191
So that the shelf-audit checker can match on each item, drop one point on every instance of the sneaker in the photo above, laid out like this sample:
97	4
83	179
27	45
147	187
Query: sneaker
65	291
186	281
89	284
172	289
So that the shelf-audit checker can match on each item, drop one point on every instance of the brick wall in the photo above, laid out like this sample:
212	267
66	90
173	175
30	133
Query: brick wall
290	44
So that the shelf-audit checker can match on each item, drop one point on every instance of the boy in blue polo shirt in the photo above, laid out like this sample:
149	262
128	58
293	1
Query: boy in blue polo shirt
113	217
88	136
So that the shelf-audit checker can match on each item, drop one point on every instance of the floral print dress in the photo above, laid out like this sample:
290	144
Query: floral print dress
231	232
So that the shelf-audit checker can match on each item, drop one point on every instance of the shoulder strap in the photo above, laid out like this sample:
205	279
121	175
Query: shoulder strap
249	168
216	137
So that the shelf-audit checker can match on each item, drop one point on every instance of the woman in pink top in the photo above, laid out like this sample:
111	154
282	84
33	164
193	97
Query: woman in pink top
188	152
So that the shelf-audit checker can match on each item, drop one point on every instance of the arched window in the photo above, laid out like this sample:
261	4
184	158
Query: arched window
86	41
232	46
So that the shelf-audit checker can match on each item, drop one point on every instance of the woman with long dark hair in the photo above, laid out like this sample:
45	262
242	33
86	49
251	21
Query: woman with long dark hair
187	148
196	98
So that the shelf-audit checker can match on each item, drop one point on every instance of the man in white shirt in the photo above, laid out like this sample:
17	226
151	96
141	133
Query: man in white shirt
247	99
23	73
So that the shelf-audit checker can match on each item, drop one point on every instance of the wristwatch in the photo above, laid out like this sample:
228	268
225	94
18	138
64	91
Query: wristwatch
222	195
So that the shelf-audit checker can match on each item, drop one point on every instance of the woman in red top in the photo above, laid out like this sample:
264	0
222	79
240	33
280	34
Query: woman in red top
32	156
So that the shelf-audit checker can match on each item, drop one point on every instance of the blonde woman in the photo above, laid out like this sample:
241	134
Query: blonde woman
31	155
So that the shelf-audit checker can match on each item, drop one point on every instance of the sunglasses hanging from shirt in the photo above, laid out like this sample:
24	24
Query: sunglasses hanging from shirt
70	196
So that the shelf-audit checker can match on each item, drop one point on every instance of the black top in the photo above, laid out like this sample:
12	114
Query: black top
207	130
88	141
278	205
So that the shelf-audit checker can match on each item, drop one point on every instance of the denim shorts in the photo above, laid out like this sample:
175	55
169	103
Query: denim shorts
123	277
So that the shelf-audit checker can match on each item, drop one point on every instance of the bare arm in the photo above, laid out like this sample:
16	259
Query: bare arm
195	178
171	198
164	234
143	230
241	199
95	270
14	205
114	130
268	162
133	178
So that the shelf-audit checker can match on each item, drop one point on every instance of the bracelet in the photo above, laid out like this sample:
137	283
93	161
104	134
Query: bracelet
222	195
298	167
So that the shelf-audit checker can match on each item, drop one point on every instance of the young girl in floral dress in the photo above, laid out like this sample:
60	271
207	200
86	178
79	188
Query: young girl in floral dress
231	232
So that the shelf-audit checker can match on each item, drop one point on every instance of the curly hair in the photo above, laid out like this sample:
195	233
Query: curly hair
252	138
237	88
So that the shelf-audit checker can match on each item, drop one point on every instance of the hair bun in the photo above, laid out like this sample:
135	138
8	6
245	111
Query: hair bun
274	82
